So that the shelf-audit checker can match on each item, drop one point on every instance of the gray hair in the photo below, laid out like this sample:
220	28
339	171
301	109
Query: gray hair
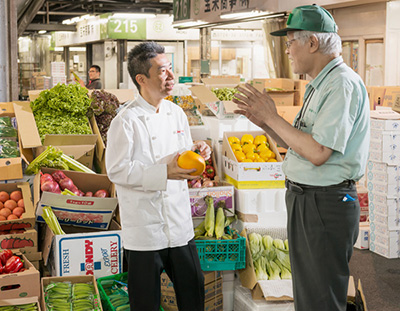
329	42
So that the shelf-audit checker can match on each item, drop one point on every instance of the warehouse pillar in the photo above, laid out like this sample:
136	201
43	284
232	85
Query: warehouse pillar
4	69
205	52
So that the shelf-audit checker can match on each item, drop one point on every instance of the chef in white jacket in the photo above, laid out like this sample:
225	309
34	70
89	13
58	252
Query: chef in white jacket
143	145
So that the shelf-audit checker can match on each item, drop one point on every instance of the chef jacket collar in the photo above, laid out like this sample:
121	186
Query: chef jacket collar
146	106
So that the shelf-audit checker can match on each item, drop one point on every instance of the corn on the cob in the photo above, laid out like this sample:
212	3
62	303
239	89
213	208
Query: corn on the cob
200	229
219	223
210	216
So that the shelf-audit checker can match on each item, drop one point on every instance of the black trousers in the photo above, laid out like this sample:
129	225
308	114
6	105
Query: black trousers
322	229
183	268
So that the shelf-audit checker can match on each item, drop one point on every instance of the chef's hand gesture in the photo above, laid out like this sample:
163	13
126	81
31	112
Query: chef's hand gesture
258	107
205	150
175	172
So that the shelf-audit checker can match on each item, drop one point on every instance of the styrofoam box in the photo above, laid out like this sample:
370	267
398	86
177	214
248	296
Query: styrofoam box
391	222
378	228
379	198
263	206
363	236
391	158
387	125
389	176
391	190
217	127
389	209
244	302
385	245
389	140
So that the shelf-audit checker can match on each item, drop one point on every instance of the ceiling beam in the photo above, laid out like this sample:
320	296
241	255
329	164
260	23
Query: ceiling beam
29	15
50	27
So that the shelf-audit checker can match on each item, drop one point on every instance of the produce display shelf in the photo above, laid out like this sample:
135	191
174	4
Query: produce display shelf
105	300
220	255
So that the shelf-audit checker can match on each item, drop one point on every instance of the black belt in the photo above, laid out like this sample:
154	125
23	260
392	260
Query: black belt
300	188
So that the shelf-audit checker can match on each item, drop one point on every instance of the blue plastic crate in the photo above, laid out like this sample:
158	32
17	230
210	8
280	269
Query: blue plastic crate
218	255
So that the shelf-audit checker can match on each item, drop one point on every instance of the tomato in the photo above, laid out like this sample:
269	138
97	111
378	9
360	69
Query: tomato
189	160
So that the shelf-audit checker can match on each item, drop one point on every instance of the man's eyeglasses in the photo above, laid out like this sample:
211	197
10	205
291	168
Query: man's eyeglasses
289	43
92	71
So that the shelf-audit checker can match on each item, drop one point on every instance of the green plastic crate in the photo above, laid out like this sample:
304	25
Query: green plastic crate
218	255
105	301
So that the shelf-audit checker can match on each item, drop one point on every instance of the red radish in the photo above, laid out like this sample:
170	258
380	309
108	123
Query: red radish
50	186
20	203
18	211
58	175
102	193
89	194
16	195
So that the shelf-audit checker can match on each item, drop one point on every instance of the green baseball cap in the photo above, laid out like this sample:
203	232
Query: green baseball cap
308	17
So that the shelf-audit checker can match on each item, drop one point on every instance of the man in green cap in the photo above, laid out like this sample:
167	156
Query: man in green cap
328	147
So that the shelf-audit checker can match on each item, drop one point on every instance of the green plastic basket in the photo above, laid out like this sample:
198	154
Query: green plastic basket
218	255
105	301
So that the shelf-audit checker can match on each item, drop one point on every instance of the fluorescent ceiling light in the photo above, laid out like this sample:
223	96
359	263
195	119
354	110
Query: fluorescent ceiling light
41	32
134	15
188	23
233	15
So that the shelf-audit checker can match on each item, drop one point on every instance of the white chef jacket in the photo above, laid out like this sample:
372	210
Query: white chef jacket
155	212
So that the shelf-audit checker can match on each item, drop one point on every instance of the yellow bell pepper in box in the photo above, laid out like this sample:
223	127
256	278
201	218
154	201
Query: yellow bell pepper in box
236	147
248	148
240	156
247	139
259	139
262	147
233	140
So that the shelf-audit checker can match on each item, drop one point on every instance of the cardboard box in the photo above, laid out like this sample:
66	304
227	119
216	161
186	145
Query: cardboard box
29	218
300	89
222	192
279	83
10	168
80	147
206	98
23	284
376	96
251	175
21	239
83	251
282	98
363	236
221	82
75	210
20	301
288	113
248	279
72	279
212	291
386	245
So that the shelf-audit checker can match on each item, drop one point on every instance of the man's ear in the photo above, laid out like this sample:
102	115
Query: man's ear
314	44
140	79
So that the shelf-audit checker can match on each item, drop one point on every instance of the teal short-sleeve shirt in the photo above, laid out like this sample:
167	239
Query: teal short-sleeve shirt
336	114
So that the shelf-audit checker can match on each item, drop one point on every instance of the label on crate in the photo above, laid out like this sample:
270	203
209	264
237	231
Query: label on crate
97	254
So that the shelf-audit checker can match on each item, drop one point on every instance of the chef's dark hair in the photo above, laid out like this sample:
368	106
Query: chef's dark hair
139	59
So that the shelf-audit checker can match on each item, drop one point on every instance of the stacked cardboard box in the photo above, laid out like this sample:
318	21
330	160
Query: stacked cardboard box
212	292
383	184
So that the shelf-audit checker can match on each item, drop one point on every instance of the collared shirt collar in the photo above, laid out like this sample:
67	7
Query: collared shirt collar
322	75
145	105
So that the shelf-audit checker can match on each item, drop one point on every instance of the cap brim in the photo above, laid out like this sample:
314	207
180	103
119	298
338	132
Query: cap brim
282	32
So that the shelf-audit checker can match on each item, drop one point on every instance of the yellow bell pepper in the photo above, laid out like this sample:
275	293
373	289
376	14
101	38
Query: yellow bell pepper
272	160
262	147
259	139
248	148
247	139
250	155
236	147
240	156
233	140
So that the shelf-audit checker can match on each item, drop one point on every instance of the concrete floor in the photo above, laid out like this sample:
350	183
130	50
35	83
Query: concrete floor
380	279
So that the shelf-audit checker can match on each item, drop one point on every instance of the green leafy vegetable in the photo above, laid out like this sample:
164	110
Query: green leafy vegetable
62	110
225	93
8	149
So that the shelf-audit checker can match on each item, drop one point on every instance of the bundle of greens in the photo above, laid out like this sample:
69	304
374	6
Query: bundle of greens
270	257
62	110
8	148
104	107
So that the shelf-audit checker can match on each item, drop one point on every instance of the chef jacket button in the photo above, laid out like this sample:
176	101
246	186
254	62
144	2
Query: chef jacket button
153	138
